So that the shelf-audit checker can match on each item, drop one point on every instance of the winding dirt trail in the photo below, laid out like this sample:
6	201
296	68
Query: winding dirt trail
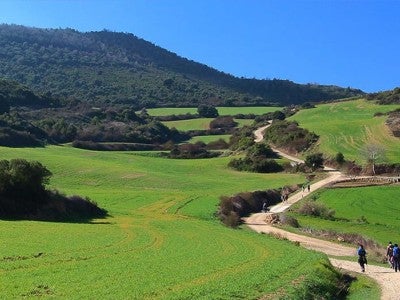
388	280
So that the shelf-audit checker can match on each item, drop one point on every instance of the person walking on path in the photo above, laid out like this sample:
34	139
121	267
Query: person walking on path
308	188
362	257
396	258
389	254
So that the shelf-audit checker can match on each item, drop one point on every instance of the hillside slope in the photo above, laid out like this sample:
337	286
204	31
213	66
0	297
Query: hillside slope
122	68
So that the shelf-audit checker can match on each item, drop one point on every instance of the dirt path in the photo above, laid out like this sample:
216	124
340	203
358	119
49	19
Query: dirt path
388	280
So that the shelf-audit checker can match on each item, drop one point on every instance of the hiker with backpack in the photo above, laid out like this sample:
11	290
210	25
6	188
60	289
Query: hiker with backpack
362	257
389	254
396	257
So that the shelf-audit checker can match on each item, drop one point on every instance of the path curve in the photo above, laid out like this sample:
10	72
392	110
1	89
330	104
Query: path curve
388	280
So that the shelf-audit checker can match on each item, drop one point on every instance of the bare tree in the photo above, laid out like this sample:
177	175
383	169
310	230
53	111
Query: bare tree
373	153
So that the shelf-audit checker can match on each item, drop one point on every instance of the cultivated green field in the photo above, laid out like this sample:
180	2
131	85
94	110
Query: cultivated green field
191	124
161	241
200	123
209	138
348	126
223	111
379	205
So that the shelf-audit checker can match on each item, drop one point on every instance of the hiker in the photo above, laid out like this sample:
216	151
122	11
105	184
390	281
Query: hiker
362	258
389	254
396	254
308	188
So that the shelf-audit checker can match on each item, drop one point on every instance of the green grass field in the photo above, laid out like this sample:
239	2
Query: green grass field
223	111
348	126
379	205
162	240
199	124
209	138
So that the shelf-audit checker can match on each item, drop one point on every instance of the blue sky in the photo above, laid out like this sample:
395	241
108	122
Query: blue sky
345	43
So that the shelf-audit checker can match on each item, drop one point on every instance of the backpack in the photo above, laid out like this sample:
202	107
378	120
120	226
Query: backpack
361	252
396	251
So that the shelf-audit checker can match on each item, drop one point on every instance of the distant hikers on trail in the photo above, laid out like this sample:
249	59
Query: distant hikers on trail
396	257
362	257
389	254
392	256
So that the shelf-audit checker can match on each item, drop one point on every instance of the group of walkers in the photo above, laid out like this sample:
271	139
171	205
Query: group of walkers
392	255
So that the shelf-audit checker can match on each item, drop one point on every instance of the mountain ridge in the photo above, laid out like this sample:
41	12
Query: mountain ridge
105	66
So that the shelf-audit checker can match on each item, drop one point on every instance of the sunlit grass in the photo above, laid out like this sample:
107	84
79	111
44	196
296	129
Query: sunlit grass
348	126
162	240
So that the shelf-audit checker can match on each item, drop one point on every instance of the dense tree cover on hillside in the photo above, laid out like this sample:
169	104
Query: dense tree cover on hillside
23	195
29	119
386	97
105	67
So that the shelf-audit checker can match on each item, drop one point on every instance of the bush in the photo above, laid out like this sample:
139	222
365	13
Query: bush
23	195
314	161
225	123
207	111
190	151
289	220
312	208
289	136
232	209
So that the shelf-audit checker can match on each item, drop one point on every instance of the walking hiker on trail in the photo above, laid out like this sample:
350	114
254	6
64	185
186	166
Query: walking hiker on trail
308	188
396	258
389	254
362	258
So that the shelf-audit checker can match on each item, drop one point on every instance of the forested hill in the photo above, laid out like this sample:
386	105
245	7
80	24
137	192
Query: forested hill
115	67
386	97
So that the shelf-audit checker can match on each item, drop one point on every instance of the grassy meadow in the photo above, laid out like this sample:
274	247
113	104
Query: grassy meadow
161	240
200	123
348	126
209	138
370	211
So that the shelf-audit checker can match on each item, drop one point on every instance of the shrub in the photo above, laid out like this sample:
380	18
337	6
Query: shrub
290	136
243	204
312	208
23	195
289	220
226	123
207	111
190	151
314	161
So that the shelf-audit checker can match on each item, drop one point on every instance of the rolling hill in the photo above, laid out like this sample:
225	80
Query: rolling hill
112	67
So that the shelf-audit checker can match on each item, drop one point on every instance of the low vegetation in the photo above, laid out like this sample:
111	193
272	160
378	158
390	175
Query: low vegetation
386	97
290	136
23	195
259	158
233	208
348	127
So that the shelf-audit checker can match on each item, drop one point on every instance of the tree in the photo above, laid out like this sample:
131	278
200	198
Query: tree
4	105
23	178
207	111
314	161
373	153
339	158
